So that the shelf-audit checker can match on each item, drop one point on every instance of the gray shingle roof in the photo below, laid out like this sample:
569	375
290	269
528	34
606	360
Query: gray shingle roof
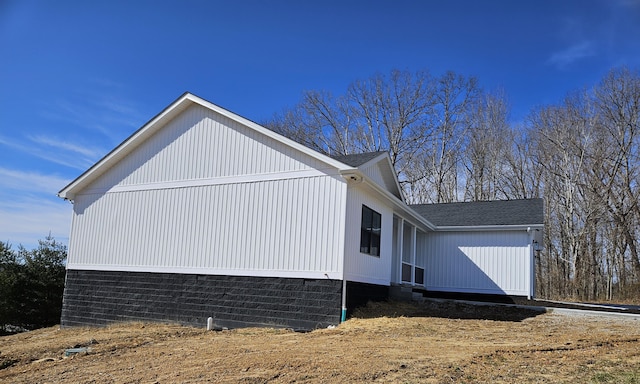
357	159
504	212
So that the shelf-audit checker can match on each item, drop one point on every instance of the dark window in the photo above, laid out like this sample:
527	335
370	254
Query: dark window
419	276
370	231
406	272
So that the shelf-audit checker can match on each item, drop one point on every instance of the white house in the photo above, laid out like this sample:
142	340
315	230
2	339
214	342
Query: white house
203	213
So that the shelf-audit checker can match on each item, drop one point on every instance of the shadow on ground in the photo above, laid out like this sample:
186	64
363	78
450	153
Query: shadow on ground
445	309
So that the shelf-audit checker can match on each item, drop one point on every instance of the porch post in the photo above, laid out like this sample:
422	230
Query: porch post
413	255
400	245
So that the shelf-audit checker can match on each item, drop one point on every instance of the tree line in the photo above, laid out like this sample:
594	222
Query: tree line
31	285
450	140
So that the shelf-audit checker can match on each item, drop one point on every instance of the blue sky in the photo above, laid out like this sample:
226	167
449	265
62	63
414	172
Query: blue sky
78	77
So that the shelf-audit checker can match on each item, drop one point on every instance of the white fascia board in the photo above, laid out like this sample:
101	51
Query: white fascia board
470	228
156	123
356	176
395	178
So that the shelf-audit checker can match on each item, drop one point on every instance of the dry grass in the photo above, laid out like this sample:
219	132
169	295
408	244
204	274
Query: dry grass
391	342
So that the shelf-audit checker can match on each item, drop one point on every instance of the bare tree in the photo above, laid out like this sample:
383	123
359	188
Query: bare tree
451	141
588	149
390	113
382	113
487	148
320	122
437	173
618	101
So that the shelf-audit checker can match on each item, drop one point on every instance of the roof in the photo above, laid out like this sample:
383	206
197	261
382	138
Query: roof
358	159
484	213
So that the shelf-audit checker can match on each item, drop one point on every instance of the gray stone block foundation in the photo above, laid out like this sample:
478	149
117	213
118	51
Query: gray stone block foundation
95	298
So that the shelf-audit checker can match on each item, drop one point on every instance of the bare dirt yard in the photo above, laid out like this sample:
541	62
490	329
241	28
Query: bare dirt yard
385	342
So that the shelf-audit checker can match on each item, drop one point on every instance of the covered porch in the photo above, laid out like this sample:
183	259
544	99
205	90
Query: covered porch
409	253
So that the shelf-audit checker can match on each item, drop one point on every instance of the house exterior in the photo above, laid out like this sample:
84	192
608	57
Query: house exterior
203	213
483	247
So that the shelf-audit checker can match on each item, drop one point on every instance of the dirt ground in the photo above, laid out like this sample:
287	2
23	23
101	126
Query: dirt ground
386	343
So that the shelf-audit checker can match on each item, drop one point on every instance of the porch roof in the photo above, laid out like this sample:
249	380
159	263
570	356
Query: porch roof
484	213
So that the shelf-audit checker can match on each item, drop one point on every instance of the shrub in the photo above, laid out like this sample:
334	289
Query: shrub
31	285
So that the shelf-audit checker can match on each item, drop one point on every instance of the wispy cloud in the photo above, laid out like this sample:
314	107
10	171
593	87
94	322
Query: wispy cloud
26	220
109	115
67	158
91	153
579	51
18	180
607	32
65	135
30	209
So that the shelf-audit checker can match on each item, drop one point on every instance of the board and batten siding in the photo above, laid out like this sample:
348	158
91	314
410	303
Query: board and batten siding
479	262
360	267
208	196
375	173
200	144
382	178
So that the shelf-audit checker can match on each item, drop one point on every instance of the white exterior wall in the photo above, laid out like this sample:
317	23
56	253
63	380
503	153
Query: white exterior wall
479	262
201	144
206	195
361	267
375	173
382	175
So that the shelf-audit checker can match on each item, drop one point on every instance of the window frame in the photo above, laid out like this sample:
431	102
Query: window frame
370	231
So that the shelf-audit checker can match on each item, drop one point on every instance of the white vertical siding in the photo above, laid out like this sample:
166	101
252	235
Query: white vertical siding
206	194
383	175
375	173
283	228
479	262
362	267
201	144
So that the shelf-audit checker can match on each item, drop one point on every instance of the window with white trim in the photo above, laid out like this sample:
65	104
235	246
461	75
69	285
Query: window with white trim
370	231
